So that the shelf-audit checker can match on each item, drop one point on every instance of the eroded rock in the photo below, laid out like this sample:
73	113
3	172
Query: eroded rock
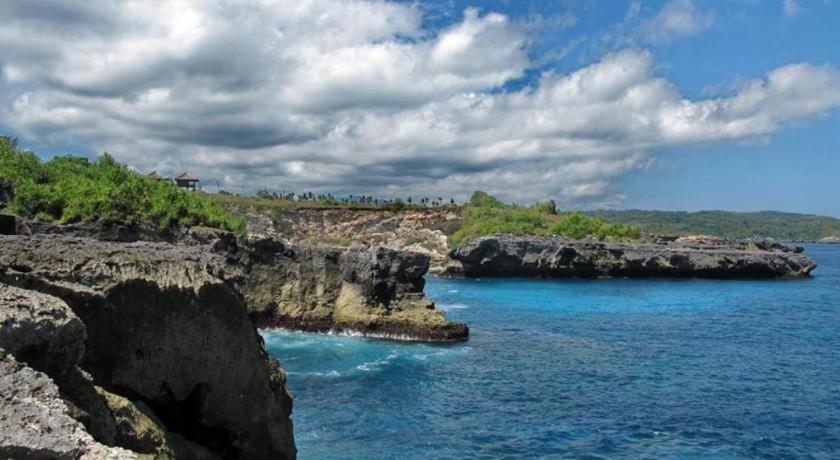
556	257
165	328
35	422
365	289
40	330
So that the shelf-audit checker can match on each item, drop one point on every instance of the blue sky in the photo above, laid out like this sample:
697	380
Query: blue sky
655	104
795	169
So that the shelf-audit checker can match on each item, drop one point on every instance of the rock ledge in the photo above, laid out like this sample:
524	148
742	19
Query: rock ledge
556	257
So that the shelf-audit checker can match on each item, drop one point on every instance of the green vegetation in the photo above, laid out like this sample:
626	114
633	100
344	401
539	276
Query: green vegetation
485	215
70	189
308	200
259	201
772	224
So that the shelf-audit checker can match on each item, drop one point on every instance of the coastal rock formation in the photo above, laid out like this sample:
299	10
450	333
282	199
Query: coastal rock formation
364	289
171	362
40	330
41	343
557	257
415	230
35	422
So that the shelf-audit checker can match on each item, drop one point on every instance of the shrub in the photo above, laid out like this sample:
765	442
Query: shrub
70	189
485	215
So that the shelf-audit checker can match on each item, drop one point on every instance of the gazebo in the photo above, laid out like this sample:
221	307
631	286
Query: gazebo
186	181
156	176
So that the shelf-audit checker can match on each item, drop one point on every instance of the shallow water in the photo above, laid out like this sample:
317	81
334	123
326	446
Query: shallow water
586	369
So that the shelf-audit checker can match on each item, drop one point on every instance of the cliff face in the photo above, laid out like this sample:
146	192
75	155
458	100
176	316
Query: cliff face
171	363
40	335
367	290
309	285
415	230
555	257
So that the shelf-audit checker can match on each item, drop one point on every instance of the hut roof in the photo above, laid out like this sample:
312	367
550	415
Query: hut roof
155	175
186	176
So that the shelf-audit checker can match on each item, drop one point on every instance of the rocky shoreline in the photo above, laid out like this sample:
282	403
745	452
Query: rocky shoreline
126	342
403	332
688	257
166	361
116	347
363	289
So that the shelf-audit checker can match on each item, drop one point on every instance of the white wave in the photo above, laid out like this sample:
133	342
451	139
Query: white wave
349	333
451	306
332	373
375	365
453	291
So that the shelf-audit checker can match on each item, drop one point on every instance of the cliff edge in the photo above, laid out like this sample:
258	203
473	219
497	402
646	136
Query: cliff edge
557	257
363	290
154	353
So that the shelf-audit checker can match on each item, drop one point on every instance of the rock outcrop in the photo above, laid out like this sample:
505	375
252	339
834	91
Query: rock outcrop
36	422
364	289
557	257
414	230
40	330
171	364
41	343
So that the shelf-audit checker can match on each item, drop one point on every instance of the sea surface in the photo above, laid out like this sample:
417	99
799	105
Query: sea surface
586	369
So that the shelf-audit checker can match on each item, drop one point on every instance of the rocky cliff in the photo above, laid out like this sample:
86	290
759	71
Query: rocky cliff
556	257
415	230
363	289
40	335
148	345
113	347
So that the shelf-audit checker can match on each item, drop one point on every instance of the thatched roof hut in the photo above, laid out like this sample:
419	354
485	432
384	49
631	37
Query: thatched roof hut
186	181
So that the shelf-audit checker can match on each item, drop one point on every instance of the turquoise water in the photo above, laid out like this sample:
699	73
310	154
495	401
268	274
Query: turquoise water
586	369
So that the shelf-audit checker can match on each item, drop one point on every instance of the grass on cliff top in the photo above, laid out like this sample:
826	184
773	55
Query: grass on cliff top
275	202
70	189
485	215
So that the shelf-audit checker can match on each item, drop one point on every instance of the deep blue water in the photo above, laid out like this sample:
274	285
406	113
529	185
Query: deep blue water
586	369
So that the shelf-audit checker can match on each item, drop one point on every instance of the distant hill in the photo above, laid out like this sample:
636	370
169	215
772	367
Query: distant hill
773	224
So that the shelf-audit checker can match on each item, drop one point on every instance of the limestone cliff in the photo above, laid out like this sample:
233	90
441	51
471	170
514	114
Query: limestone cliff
364	289
415	230
171	363
702	257
40	335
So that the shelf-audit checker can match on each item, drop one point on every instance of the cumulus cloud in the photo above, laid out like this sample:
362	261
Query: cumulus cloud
677	18
356	96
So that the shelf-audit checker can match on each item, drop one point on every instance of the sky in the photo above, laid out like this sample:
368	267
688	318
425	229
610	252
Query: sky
676	105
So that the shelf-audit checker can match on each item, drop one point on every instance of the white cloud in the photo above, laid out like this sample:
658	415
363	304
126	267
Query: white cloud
677	18
356	96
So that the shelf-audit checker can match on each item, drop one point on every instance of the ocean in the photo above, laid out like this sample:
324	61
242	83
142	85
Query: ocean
612	368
